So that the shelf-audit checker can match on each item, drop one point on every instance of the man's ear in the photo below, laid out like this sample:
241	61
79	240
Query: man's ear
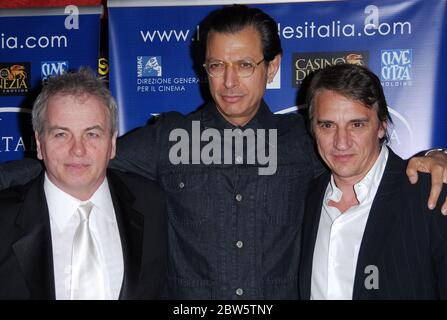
382	129
38	145
113	151
273	68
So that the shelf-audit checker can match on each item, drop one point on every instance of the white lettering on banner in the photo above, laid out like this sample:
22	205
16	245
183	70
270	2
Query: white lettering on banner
31	42
396	83
179	35
396	57
162	85
10	144
310	29
11	42
171	88
336	30
154	81
394	137
396	72
385	29
186	80
139	67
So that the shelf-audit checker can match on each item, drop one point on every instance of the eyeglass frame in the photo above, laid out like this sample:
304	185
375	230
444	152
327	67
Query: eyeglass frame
230	63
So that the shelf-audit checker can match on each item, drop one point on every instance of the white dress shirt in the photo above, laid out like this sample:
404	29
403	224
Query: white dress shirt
64	221
340	235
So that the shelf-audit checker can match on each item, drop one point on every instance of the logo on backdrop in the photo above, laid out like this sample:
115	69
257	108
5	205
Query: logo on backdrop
305	63
15	78
152	79
52	68
396	67
149	66
14	140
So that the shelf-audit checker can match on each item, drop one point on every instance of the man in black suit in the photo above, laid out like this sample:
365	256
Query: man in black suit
80	231
367	231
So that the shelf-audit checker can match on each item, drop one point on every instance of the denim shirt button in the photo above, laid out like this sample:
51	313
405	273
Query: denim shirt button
239	292
181	185
239	197
239	244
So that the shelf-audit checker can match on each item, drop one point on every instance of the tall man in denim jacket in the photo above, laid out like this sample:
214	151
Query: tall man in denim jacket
236	174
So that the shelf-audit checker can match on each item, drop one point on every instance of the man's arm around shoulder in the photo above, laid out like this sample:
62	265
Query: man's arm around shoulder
438	234
18	172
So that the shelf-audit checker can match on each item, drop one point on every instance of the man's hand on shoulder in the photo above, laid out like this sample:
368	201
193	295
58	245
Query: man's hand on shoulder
434	163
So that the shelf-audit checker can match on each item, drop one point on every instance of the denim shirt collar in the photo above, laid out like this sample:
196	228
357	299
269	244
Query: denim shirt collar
264	118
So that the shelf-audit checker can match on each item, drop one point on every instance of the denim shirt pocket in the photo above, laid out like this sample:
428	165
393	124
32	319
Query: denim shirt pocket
188	198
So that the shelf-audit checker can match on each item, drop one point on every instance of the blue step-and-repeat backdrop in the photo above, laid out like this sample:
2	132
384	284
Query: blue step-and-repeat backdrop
402	41
36	44
152	65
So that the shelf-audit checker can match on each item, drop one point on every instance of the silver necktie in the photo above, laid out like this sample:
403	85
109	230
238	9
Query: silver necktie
86	277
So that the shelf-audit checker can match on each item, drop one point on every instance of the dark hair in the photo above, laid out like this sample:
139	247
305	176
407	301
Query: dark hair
234	18
354	82
75	83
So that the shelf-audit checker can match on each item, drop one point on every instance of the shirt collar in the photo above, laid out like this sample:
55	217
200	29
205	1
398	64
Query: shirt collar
264	118
62	206
364	187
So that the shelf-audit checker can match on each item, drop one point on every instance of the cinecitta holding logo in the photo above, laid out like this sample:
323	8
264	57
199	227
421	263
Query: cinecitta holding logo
52	68
396	67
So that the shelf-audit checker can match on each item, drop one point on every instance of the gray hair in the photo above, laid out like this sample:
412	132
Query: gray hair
354	82
76	83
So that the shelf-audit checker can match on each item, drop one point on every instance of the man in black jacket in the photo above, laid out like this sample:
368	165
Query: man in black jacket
78	231
368	232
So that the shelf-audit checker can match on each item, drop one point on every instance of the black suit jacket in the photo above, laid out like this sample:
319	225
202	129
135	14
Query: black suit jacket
403	238
26	260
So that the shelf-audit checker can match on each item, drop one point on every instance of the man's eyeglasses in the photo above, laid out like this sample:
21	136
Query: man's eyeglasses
243	68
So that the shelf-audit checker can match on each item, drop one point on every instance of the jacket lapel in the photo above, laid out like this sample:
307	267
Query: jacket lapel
130	224
381	219
311	222
34	250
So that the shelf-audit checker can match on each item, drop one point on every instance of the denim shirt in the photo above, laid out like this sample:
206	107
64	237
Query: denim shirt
233	234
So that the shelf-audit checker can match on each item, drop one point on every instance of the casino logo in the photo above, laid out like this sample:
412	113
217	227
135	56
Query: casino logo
52	68
396	67
15	78
149	66
304	64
